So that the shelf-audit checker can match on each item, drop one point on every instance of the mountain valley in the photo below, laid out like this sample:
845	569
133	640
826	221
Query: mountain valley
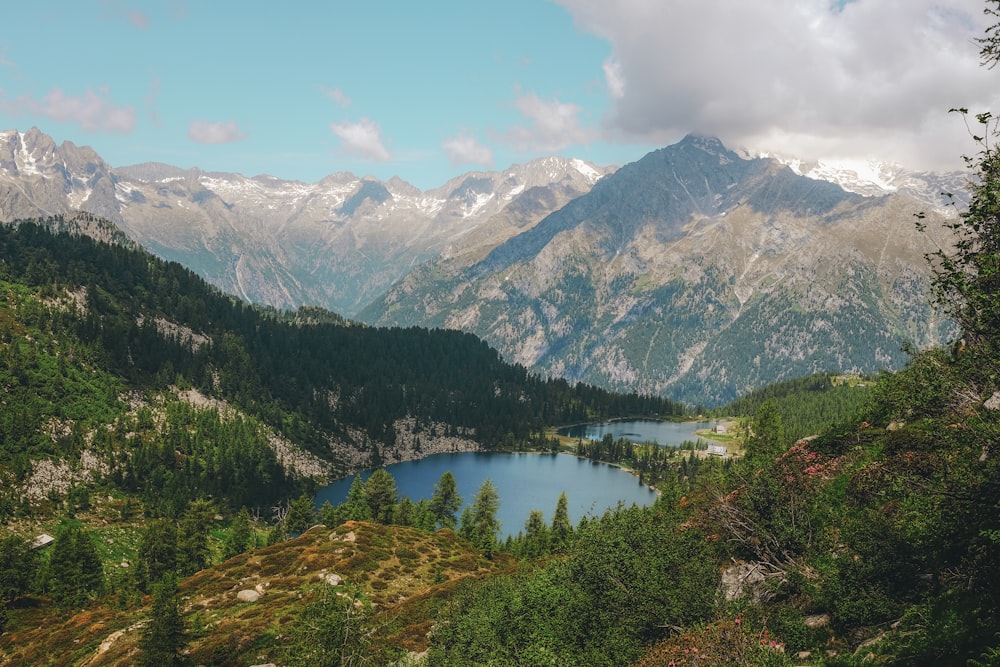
696	273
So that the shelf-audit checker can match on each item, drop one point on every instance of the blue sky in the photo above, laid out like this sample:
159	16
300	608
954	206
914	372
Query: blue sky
429	90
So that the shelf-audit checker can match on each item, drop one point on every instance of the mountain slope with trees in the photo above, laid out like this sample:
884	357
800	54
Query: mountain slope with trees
121	366
695	273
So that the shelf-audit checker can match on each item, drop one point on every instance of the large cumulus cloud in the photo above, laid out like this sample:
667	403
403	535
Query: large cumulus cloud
866	78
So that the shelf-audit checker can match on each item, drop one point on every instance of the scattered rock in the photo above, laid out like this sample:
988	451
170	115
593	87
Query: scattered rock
895	426
816	621
993	402
349	537
743	580
803	655
248	595
332	579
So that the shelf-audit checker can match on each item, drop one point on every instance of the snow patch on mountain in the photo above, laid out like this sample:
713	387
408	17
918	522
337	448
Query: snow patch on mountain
872	178
588	171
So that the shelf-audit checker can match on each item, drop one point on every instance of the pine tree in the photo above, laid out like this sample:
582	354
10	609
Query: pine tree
241	536
163	636
535	535
380	493
157	553
301	515
767	435
355	508
193	551
446	502
75	571
483	525
561	527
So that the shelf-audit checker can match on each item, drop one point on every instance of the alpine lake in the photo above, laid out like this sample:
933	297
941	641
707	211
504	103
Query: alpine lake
529	481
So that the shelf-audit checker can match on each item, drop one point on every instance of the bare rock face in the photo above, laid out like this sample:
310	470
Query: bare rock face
697	274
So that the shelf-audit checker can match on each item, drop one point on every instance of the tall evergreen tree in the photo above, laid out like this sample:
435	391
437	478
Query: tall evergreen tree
18	564
767	435
75	572
157	554
380	493
480	524
446	501
301	515
163	636
355	508
241	536
561	527
535	535
193	552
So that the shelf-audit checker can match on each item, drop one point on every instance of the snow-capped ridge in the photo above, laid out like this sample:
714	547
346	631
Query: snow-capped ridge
873	178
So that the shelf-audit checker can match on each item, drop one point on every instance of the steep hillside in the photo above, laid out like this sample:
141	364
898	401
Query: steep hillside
258	607
109	356
697	274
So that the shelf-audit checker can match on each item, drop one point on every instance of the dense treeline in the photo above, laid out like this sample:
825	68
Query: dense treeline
807	405
651	461
305	380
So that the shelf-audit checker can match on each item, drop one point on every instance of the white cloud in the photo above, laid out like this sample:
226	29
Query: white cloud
363	138
215	133
614	78
874	78
93	111
554	125
464	149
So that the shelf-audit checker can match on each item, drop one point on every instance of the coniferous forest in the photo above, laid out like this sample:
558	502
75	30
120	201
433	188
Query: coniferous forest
170	438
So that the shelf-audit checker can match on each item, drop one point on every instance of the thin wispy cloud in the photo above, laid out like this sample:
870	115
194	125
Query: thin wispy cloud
363	139
122	10
338	96
151	98
94	112
138	19
225	132
465	149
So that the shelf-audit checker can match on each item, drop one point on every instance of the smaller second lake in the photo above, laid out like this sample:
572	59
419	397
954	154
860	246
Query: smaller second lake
641	430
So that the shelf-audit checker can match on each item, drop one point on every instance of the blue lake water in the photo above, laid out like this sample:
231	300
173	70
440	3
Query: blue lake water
640	430
525	482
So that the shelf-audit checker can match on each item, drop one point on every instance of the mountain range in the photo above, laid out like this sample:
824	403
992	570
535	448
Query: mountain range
696	272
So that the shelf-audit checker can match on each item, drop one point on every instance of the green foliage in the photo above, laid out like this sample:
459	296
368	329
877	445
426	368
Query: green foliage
561	527
480	524
193	550
331	632
806	405
241	537
380	494
18	565
157	554
628	576
74	574
301	515
446	501
163	636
